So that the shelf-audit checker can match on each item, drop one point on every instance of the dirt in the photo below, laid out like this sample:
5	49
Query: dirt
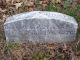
30	51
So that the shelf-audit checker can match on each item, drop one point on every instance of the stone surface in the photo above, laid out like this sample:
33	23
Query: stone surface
40	26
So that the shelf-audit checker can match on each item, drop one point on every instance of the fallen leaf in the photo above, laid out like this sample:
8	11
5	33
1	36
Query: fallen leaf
18	5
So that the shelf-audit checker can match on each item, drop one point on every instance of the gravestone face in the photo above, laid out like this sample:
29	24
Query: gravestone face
40	26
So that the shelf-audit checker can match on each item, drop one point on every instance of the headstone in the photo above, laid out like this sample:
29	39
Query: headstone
40	26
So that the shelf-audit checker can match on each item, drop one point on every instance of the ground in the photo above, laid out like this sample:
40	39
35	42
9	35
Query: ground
30	51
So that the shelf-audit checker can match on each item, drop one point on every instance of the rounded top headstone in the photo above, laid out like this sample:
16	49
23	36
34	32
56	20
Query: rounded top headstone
40	26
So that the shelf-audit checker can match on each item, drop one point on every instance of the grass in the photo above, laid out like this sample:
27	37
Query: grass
39	55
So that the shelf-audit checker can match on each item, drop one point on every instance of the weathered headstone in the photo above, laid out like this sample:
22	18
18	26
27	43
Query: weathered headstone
40	26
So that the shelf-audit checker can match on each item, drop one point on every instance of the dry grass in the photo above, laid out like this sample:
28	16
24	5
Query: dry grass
29	51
